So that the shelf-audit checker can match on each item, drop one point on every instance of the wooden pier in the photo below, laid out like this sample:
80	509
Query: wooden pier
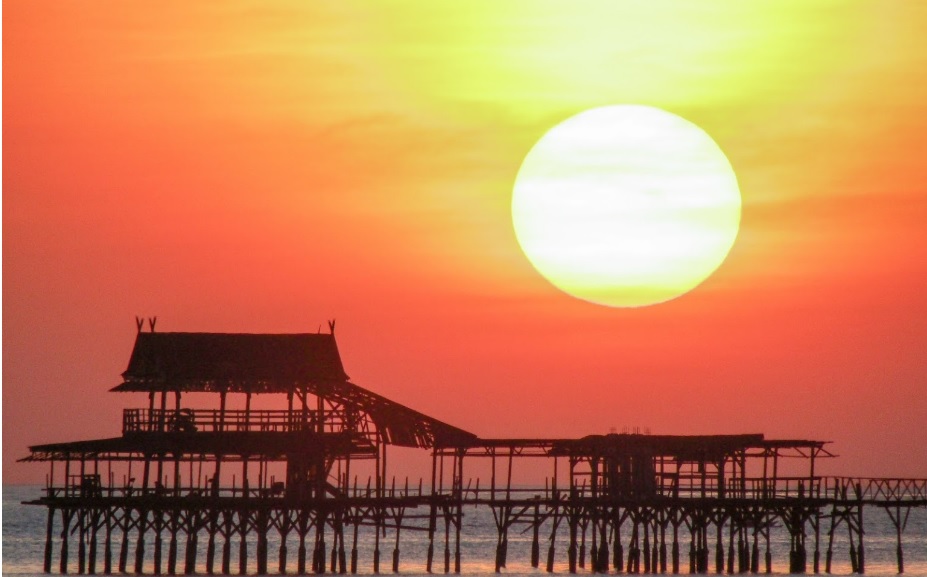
235	483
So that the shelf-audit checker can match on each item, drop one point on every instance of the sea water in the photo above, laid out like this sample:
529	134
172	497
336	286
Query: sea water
24	545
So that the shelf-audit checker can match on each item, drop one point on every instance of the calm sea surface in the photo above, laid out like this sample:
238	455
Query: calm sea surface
24	543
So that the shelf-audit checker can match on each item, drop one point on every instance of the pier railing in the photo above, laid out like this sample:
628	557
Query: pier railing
91	487
823	489
211	420
875	490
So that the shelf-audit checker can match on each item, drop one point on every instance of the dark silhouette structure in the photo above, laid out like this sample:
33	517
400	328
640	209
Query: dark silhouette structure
194	479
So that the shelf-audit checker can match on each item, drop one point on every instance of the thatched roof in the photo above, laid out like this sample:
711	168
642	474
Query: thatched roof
258	363
273	363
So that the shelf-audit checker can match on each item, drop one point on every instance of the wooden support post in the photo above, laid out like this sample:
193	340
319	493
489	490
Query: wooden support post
320	543
189	565
693	567
333	567
497	514
49	537
602	561
504	545
432	513
900	556
730	547
162	421
768	554
172	546
743	553
376	539
817	537
860	551
535	537
854	563
108	542
633	565
617	547
301	552
227	547
262	528
243	543
247	410
646	546
459	517
572	548
342	556
177	481
216	477
572	518
81	535
124	546
704	550
158	518
66	515
354	548
447	540
457	527
583	525
553	536
899	527
900	523
140	541
654	555
604	555
830	539
304	407
211	542
796	553
94	516
663	560
379	467
281	556
739	550
592	519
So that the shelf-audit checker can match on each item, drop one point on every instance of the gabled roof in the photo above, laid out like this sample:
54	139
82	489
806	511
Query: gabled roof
258	363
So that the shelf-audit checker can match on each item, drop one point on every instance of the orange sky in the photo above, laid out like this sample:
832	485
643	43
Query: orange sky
254	166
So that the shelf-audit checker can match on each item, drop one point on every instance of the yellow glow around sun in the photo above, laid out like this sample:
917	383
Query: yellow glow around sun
626	205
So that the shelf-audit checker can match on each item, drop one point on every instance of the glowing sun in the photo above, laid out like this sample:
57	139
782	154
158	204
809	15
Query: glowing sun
626	206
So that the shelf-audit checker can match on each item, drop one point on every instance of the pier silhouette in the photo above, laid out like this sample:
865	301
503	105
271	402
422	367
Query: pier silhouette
197	478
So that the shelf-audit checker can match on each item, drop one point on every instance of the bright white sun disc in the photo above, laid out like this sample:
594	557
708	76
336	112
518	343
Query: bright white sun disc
626	205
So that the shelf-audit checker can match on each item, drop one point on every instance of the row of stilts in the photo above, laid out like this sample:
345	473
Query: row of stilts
116	539
655	538
632	539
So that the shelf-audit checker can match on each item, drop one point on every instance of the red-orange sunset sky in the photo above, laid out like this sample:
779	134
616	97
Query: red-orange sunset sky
251	166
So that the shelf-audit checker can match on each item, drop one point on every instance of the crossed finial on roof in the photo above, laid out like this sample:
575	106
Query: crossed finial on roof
140	323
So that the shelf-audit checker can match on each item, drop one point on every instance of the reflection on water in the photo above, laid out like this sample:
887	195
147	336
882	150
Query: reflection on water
24	544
